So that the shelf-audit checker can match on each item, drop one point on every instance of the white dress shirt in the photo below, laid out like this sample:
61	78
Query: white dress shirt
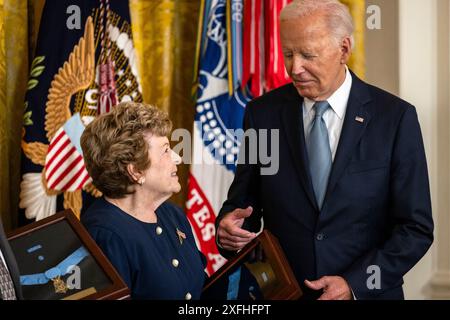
334	116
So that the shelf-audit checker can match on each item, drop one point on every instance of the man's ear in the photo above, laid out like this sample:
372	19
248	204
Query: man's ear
133	173
346	50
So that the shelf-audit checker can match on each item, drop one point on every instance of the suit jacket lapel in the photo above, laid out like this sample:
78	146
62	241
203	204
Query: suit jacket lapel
352	130
292	118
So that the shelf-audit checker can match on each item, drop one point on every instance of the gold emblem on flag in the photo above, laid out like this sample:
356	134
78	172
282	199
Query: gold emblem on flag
76	74
74	84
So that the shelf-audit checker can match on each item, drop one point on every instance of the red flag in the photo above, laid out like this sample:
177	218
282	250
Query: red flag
275	75
252	46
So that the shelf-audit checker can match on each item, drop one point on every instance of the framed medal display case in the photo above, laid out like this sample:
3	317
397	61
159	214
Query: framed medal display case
259	271
58	260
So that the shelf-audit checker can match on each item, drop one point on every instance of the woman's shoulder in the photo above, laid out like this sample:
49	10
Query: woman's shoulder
102	215
97	209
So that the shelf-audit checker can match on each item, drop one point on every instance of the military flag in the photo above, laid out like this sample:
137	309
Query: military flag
231	70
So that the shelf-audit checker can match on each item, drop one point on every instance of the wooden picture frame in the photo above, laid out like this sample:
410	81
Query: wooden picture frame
260	271
58	260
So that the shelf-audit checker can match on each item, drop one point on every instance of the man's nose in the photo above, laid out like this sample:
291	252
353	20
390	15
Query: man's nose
298	65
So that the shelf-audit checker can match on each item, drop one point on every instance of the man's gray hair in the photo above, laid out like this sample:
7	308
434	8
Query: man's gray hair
337	15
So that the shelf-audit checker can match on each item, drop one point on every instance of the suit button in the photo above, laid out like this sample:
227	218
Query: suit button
175	263
188	296
158	230
320	236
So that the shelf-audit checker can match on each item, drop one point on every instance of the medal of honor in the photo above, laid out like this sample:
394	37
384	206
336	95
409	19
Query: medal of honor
54	274
60	285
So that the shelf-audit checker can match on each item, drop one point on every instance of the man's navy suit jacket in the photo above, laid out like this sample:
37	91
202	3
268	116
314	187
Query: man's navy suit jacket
376	214
10	262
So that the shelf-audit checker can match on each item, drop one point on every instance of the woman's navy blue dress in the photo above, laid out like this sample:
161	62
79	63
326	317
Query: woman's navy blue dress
153	258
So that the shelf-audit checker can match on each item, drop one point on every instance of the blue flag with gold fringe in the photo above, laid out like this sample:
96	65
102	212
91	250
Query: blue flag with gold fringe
84	64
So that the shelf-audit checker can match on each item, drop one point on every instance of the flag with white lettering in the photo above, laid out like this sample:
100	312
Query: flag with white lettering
238	57
219	113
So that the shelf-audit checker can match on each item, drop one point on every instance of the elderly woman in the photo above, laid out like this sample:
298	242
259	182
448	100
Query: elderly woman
147	239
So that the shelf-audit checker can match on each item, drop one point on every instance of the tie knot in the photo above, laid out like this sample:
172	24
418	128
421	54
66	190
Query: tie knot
321	107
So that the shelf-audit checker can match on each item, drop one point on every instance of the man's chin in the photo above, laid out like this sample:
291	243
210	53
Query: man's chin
306	93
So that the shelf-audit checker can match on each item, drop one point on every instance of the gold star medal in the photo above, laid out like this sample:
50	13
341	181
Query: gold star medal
181	236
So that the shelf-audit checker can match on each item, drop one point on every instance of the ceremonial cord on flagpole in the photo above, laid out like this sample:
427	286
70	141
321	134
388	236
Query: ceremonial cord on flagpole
108	26
102	30
107	92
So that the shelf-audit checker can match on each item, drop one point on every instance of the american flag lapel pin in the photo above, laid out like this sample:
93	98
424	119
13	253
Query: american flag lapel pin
181	236
359	119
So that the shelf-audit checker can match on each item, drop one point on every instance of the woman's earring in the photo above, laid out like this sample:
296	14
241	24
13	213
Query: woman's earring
141	181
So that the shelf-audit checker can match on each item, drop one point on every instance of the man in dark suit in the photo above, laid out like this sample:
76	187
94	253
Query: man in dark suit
350	203
9	272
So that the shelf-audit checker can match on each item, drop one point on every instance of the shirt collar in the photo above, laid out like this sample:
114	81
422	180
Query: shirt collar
338	100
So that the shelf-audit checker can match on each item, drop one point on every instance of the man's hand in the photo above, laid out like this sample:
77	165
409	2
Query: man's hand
334	288
230	234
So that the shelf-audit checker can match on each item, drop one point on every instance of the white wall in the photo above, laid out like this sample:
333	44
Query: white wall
410	57
418	85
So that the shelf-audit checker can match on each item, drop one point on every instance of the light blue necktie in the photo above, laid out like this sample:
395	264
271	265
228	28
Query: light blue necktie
319	153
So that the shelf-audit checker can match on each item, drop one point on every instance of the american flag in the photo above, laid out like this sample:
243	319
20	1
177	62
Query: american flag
64	164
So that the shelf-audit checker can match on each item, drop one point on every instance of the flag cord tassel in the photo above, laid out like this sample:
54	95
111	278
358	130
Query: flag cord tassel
107	91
